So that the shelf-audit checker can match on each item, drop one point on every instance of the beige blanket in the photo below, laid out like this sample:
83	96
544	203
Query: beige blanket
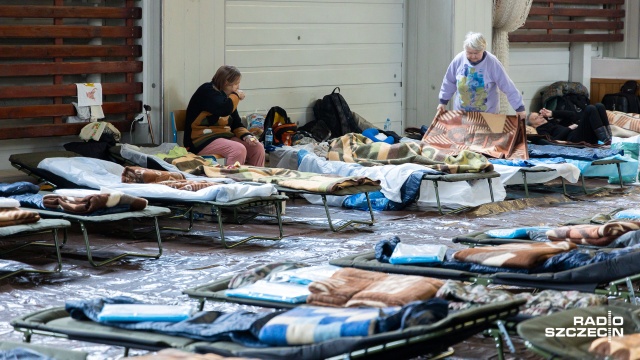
515	255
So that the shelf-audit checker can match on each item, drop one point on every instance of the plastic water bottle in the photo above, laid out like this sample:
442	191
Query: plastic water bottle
268	137
387	125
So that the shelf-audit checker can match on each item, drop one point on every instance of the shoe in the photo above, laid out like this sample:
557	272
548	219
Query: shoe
603	135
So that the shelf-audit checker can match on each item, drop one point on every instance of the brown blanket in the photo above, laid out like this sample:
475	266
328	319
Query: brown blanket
350	287
599	235
92	203
515	255
15	216
137	175
494	135
620	347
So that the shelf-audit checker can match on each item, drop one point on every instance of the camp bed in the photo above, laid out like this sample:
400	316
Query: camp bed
547	335
41	226
338	224
217	208
435	178
48	351
152	212
409	342
28	163
610	277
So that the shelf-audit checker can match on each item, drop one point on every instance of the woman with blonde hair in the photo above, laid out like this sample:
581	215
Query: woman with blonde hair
475	76
212	123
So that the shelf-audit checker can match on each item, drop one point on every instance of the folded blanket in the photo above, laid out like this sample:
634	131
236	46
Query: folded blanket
516	255
617	347
188	185
137	174
312	324
599	235
289	178
15	216
351	287
341	286
93	203
9	203
396	290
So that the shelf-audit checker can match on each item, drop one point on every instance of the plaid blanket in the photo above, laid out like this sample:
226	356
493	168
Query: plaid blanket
137	174
92	203
15	216
356	148
494	135
599	235
516	255
299	180
189	163
312	324
350	287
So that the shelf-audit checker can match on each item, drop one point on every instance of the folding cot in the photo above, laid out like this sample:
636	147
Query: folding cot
155	162
604	277
488	175
29	163
536	331
45	351
407	343
152	212
41	226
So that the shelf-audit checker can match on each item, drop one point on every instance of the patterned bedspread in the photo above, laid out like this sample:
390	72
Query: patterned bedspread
356	148
299	180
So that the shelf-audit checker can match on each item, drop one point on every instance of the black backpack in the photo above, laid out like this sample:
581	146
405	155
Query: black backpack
334	112
625	101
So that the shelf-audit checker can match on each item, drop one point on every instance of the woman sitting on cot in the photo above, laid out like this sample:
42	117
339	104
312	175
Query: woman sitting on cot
212	123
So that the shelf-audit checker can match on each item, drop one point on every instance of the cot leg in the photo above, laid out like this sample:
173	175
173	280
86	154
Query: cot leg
526	187
564	187
58	255
584	188
435	188
619	175
347	222
491	190
85	235
278	206
201	304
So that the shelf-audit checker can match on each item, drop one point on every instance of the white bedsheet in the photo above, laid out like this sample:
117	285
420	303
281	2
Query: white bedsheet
96	174
510	175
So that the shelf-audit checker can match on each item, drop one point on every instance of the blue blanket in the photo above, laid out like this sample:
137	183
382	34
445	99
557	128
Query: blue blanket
569	152
17	188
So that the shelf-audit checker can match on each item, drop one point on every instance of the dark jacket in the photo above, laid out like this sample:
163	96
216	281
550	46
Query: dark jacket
211	109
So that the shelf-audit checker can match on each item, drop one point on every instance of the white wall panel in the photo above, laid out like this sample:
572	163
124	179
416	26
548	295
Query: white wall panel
533	67
292	53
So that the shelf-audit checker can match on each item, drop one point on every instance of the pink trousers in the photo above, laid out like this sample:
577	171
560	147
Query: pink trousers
234	149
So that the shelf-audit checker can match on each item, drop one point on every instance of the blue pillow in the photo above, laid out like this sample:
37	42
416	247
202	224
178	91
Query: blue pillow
372	134
627	214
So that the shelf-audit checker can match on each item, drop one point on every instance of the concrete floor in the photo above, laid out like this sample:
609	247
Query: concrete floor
197	257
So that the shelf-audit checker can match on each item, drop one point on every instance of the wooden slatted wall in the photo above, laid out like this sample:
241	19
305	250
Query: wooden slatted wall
45	50
601	87
572	21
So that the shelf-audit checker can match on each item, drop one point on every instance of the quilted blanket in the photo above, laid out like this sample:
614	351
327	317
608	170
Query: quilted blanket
494	135
516	255
356	148
299	180
599	235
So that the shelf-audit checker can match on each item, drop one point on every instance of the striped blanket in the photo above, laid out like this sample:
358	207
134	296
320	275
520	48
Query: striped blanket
299	180
15	216
140	175
494	135
624	120
91	203
599	235
356	148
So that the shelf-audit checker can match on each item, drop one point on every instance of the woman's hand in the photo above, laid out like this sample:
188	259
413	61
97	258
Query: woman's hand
522	115
241	94
250	139
441	108
573	126
546	113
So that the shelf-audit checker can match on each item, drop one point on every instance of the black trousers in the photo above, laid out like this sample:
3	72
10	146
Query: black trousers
595	116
